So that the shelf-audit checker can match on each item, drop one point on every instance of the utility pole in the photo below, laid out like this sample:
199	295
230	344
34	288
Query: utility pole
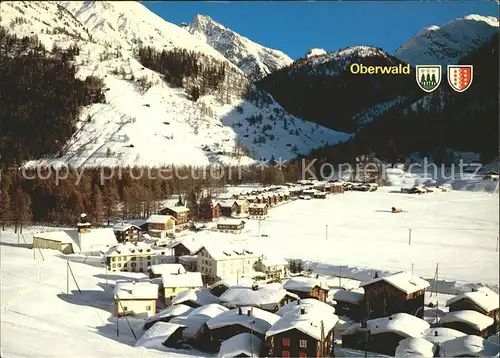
409	236
251	331
497	242
67	277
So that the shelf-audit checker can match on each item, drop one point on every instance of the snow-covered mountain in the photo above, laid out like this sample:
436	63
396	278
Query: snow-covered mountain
315	52
446	44
255	60
161	125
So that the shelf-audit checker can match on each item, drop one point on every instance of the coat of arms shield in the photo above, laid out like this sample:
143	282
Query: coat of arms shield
460	77
428	77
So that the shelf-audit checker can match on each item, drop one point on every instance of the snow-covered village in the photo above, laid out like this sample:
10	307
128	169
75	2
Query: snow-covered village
176	189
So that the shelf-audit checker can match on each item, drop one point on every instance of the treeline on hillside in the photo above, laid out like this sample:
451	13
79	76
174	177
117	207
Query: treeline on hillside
466	121
38	196
330	95
186	69
41	97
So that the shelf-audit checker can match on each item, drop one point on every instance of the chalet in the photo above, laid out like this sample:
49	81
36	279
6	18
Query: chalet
130	257
382	335
161	226
135	299
228	208
309	192
306	302
305	331
126	232
167	314
467	321
320	195
174	283
161	335
336	188
258	211
398	293
242	345
270	297
468	346
307	287
415	347
195	320
236	321
188	246
225	262
242	206
275	268
195	298
348	303
181	215
209	210
234	226
251	199
482	300
158	270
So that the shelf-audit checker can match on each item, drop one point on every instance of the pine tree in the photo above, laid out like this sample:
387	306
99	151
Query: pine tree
110	199
179	203
192	204
22	209
422	79
97	209
5	200
433	80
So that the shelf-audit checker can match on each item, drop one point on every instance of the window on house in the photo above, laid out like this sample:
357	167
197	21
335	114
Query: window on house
285	354
125	308
285	342
303	343
148	308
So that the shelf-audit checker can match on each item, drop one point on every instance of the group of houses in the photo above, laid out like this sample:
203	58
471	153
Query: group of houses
301	316
421	189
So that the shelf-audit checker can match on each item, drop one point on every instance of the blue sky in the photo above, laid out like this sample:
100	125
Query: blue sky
295	27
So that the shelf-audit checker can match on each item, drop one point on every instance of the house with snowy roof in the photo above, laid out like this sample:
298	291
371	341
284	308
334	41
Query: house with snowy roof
468	346
126	232
303	331
188	246
382	335
269	297
162	335
275	267
438	335
130	257
161	226
173	284
402	292
181	215
233	322
348	303
167	314
195	298
158	270
415	347
135	298
258	211
482	300
242	345
467	321
234	226
307	287
209	210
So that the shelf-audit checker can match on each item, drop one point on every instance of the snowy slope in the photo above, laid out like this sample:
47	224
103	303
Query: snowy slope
135	128
448	43
255	60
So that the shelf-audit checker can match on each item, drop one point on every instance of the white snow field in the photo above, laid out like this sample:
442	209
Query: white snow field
456	229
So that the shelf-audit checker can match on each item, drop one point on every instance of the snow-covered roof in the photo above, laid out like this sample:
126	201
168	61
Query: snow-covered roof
474	319
241	202
310	303
243	343
273	260
192	244
178	209
270	294
257	206
403	324
159	219
468	346
186	279
303	284
339	294
227	203
136	291
197	317
167	269
403	281
201	297
171	311
63	236
229	252
441	334
124	227
250	317
306	319
415	347
229	222
157	334
188	258
484	298
128	248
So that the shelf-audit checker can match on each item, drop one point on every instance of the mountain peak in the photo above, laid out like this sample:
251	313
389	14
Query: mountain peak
255	60
315	52
446	44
